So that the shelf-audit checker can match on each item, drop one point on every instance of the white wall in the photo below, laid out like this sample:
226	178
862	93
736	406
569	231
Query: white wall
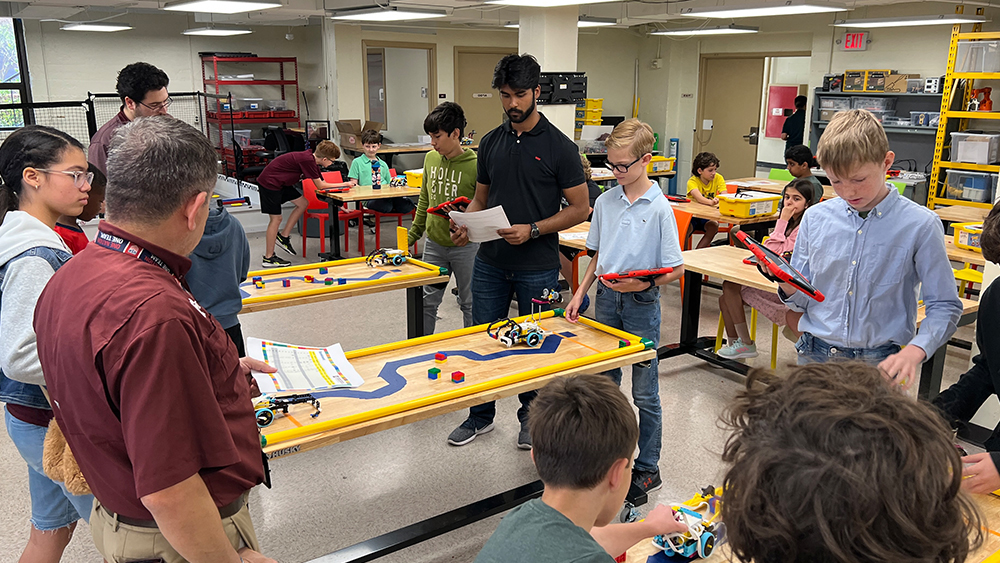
785	71
65	65
405	75
608	57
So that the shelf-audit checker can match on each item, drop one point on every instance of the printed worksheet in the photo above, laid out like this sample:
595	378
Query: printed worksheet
482	225
302	368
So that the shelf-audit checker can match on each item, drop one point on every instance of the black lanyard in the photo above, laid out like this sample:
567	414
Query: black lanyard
125	246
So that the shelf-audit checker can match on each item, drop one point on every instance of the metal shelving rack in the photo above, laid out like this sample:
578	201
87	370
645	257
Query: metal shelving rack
211	81
950	89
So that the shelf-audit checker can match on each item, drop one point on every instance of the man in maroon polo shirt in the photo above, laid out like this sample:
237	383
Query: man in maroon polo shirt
147	387
143	90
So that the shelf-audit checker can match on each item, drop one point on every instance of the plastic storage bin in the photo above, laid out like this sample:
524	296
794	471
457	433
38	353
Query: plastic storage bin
925	118
251	104
415	178
591	103
978	56
881	114
872	103
242	137
660	164
967	235
834	103
276	105
969	147
894	121
969	186
748	204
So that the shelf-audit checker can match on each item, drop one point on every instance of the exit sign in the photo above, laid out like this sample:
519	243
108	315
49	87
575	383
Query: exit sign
857	41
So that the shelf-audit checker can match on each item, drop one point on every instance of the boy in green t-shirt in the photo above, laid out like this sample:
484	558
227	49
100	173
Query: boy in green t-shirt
586	473
449	172
364	171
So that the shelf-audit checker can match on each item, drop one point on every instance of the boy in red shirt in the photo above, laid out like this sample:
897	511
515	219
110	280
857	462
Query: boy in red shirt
68	228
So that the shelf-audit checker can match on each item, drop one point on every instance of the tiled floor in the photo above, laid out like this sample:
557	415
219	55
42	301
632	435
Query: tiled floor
336	496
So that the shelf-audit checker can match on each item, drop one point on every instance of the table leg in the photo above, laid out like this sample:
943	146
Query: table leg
930	375
690	316
760	230
414	311
333	229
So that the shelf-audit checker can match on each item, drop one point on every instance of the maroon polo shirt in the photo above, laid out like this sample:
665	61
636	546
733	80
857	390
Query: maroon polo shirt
288	169
146	385
98	152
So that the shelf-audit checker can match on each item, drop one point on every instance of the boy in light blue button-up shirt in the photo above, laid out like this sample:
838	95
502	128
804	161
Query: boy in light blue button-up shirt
633	228
870	252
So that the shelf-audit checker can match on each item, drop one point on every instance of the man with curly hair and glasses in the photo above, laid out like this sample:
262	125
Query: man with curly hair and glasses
143	90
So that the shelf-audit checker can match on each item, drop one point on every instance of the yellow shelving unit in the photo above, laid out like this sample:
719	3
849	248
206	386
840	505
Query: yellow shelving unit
951	89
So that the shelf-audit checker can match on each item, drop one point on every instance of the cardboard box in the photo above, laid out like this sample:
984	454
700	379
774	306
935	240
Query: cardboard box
854	81
350	131
827	114
897	83
833	82
875	80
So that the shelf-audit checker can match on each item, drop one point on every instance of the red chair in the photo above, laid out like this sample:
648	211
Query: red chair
320	211
399	219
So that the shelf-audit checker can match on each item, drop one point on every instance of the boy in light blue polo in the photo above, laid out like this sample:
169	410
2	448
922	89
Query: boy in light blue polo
633	228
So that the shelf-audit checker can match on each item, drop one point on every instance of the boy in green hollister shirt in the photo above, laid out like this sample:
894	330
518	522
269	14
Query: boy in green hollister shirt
449	172
361	173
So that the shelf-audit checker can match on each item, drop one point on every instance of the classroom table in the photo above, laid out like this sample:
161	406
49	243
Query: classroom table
398	391
989	552
956	254
961	214
604	175
390	150
758	227
356	194
726	263
775	186
358	277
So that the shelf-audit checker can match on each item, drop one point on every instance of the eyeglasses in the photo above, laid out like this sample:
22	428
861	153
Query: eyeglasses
623	168
79	176
158	105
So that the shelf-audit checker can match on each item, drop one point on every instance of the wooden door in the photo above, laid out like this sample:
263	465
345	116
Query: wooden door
473	90
730	96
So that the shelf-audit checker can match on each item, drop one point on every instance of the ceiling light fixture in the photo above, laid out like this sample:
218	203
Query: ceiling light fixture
787	8
219	6
102	27
390	14
723	30
545	3
217	31
584	21
909	21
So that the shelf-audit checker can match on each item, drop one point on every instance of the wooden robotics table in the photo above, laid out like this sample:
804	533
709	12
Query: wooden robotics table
397	391
357	194
775	186
358	278
726	263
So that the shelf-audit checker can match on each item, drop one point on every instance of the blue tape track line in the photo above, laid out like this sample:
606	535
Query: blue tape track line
319	280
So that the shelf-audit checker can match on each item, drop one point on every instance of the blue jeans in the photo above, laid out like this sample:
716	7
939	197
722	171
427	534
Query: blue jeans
813	350
638	313
492	291
52	506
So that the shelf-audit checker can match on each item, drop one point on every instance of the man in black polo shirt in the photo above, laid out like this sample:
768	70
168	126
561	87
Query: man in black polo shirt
793	131
527	166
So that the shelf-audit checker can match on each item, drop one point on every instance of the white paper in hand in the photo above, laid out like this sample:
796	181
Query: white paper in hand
482	225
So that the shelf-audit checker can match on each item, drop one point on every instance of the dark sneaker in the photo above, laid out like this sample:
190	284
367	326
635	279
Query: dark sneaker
274	262
643	482
467	432
524	437
284	243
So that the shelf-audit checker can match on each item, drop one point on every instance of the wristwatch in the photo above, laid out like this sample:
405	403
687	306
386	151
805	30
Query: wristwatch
534	231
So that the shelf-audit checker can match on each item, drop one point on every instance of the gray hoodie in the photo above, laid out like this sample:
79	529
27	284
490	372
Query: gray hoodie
219	265
23	283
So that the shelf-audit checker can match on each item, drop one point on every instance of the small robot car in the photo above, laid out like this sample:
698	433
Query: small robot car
398	182
267	406
386	257
702	536
510	333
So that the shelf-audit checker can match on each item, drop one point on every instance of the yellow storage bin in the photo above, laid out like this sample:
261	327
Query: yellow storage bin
660	164
748	204
967	235
415	178
593	114
593	103
592	121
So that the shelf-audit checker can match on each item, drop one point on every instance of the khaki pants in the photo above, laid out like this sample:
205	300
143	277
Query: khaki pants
121	543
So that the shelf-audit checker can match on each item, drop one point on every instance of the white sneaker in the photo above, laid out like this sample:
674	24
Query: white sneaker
738	350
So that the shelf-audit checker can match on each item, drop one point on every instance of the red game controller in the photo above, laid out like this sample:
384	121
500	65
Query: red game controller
636	274
336	189
678	199
460	201
777	269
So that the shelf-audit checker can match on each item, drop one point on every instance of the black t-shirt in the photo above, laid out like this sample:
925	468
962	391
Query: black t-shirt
527	175
795	126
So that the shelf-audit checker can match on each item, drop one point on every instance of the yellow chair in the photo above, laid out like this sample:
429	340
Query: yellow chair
968	275
753	334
